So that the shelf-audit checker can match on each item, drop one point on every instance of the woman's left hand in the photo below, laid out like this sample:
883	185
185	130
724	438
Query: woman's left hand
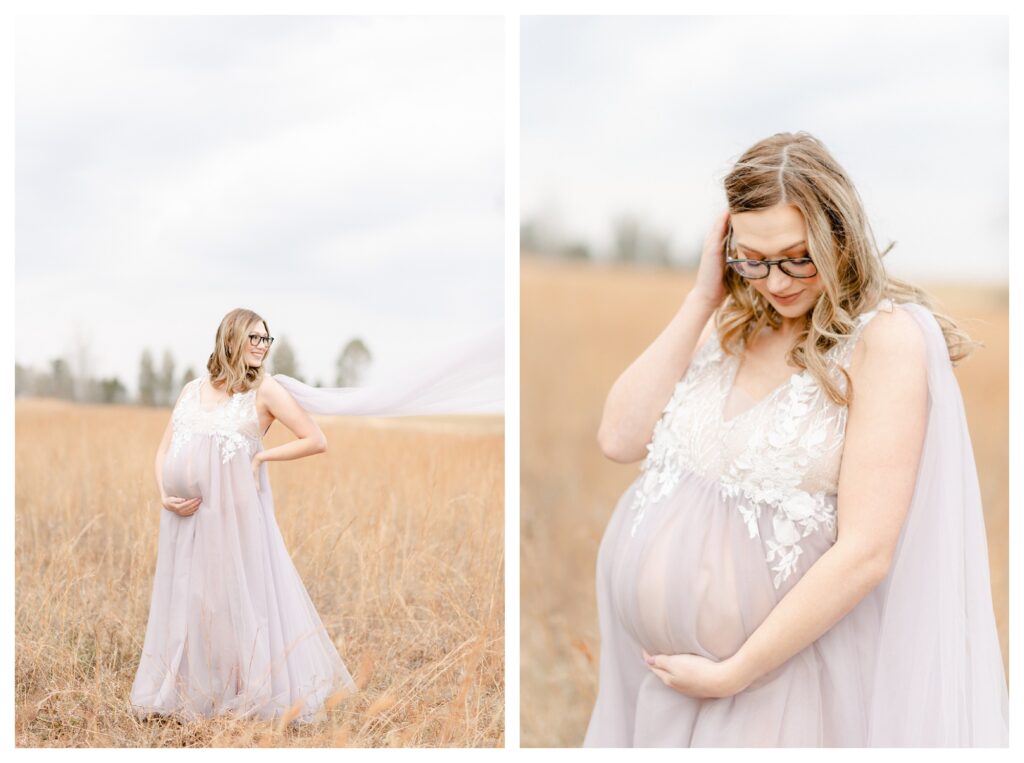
696	676
256	461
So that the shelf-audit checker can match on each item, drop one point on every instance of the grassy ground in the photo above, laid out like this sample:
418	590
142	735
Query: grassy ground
397	532
581	326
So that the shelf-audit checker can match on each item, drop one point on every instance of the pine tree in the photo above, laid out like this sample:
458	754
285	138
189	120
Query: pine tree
165	382
147	379
283	359
352	363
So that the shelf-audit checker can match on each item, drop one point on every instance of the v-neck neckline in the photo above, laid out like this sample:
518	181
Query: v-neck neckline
731	386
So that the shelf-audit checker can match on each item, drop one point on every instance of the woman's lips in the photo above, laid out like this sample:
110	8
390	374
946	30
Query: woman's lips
785	300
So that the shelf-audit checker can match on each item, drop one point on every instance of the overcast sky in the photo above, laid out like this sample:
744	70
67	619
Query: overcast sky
643	117
340	176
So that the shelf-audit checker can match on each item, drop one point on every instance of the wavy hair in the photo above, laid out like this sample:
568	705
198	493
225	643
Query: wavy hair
797	169
227	361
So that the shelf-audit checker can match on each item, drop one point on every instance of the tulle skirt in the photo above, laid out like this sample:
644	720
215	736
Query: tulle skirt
692	580
231	630
914	663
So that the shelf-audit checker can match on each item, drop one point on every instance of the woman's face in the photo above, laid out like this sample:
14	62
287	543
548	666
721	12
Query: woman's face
254	355
773	234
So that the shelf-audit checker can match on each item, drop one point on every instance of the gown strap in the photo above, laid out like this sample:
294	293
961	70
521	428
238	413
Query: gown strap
844	349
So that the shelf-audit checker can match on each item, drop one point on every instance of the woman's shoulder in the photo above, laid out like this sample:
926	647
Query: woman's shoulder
269	387
192	384
890	322
889	335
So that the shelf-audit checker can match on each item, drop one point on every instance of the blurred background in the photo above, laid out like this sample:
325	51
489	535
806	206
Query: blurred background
341	176
628	126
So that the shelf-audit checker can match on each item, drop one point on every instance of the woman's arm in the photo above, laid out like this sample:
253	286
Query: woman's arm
638	397
284	408
181	506
884	436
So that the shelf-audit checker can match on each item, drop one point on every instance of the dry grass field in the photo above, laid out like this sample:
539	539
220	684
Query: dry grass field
581	326
397	532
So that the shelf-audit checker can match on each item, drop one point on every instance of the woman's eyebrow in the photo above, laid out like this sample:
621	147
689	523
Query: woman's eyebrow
784	249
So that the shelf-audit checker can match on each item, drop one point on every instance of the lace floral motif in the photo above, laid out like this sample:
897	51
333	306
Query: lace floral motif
667	452
233	424
797	431
769	472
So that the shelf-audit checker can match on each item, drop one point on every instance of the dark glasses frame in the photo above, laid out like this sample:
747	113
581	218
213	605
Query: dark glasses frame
736	264
255	340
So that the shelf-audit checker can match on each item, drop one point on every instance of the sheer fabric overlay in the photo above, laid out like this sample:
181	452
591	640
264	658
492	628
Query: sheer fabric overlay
734	502
231	627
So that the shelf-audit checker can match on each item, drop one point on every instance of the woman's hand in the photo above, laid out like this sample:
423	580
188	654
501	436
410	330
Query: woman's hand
256	461
710	284
183	507
696	676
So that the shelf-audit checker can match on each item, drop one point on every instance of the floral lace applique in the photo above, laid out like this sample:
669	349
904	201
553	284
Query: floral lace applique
769	472
226	423
666	452
800	425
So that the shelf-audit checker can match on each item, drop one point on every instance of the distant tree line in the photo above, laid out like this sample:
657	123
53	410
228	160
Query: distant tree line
159	384
631	241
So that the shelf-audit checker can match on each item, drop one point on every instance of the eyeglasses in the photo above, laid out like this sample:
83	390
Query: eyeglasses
795	267
255	340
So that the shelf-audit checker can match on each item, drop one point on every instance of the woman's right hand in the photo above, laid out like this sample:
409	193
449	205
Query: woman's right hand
710	283
183	507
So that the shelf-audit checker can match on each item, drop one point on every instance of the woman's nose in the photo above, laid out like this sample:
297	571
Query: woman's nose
777	281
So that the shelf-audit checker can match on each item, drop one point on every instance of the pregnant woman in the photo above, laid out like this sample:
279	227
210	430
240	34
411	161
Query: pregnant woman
232	630
802	559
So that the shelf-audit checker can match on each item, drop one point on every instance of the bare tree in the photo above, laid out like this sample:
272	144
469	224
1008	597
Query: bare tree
22	380
82	365
636	243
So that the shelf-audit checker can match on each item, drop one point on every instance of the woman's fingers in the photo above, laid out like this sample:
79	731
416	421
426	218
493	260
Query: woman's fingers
664	675
184	506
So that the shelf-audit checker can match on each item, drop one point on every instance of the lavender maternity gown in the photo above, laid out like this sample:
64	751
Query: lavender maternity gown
231	627
735	501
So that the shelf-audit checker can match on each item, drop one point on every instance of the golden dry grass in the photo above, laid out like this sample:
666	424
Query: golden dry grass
581	326
397	532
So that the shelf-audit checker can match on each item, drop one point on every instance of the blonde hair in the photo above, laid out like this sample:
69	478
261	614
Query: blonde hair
227	361
797	169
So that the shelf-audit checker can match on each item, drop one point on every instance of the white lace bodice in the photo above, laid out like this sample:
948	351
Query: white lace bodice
233	423
781	454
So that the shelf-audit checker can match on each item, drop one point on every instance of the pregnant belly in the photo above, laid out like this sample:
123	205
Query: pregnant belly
182	473
691	580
